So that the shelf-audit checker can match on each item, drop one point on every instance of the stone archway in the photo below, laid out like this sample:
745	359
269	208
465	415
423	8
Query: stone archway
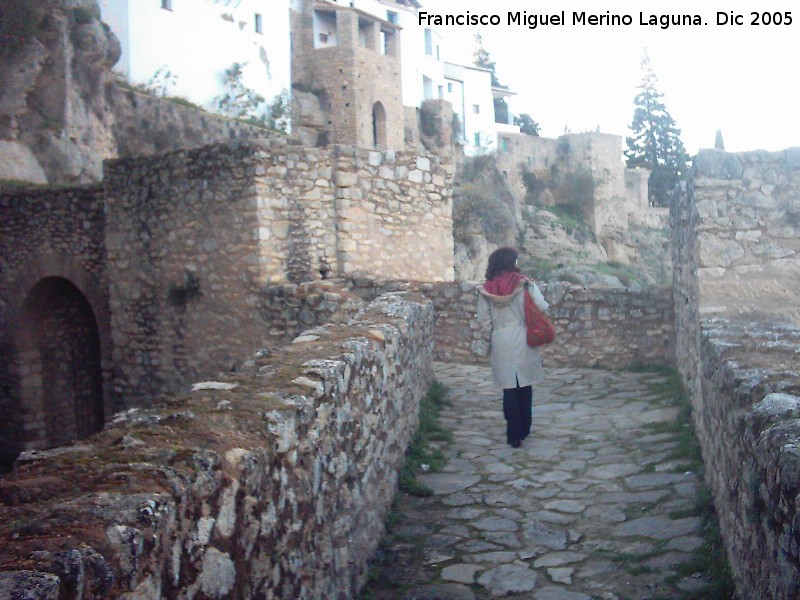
378	125
60	394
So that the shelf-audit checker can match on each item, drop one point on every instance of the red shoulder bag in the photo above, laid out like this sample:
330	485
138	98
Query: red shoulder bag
541	330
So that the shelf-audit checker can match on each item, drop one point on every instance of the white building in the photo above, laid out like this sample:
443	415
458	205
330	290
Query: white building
198	40
469	89
426	75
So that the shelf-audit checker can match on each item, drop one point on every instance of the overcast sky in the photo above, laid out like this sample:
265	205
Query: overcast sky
742	79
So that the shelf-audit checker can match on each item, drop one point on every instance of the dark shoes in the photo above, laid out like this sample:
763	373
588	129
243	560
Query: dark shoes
515	443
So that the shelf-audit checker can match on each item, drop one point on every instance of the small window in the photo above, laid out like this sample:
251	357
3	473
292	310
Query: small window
449	88
428	42
476	109
477	139
259	24
441	92
166	4
504	148
391	16
437	53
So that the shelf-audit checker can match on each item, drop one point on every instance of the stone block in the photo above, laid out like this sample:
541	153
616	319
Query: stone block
345	179
280	230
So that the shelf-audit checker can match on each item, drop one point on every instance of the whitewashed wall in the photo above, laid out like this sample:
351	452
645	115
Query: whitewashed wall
198	39
475	89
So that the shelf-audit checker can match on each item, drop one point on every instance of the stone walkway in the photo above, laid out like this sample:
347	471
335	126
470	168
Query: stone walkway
590	507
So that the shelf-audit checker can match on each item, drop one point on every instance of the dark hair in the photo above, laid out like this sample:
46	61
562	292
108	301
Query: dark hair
502	260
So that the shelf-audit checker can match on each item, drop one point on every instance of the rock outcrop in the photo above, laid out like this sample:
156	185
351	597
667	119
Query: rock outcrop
62	110
55	123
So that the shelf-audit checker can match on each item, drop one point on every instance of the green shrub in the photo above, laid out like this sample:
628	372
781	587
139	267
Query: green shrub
427	118
183	102
238	101
625	273
279	113
538	268
419	451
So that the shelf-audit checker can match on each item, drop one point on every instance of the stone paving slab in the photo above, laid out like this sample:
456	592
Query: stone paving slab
590	507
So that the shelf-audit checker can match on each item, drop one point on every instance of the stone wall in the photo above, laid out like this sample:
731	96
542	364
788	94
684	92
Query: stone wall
735	284
144	125
216	224
289	309
186	241
654	217
50	240
637	188
182	266
747	424
617	193
394	215
272	483
614	328
340	210
748	232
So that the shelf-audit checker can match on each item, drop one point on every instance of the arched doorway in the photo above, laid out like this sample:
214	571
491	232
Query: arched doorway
378	125
58	353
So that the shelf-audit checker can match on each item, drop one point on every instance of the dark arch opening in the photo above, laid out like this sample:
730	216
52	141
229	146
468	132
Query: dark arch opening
59	396
378	125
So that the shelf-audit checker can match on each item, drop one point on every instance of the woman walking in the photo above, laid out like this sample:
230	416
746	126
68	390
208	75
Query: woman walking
515	365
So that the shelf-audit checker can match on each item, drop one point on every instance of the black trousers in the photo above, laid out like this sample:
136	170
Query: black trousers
517	409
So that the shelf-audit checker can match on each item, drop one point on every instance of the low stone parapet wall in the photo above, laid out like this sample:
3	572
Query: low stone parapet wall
145	125
735	278
747	422
289	309
271	483
609	327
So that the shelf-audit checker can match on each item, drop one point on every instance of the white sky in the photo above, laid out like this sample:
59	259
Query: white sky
743	79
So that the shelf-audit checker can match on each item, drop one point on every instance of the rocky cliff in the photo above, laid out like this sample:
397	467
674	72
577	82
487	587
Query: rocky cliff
62	110
556	243
55	65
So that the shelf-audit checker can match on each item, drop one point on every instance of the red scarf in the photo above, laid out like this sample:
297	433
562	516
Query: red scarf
504	284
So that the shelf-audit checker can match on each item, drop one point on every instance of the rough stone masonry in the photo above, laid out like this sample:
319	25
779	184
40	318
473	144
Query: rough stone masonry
270	483
736	257
169	258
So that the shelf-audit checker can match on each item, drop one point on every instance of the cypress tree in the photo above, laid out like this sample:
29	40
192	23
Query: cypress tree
655	143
